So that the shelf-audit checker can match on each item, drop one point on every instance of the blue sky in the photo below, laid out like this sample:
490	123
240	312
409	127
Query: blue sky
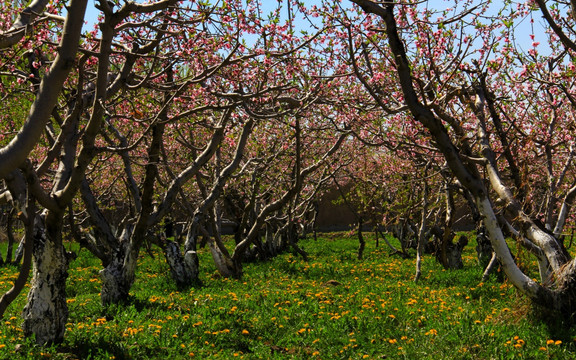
523	30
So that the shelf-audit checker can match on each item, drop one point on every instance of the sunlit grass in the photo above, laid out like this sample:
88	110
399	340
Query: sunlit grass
332	307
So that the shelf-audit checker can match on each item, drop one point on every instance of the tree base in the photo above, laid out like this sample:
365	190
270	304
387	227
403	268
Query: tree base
46	313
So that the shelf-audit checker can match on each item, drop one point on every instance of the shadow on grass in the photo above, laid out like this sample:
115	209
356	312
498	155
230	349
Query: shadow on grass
84	349
558	325
136	305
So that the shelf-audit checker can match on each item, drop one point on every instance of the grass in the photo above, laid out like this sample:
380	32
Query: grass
332	307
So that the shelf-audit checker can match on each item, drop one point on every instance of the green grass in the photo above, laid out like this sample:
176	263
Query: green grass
283	309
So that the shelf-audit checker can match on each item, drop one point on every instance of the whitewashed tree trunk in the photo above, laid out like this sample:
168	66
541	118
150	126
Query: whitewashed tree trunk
516	276
484	251
118	278
191	260
46	313
115	287
490	267
184	269
226	266
192	264
422	231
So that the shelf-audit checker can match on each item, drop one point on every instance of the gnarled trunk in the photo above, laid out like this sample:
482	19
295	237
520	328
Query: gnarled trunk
46	313
184	269
226	266
118	278
115	285
484	250
454	253
118	275
178	269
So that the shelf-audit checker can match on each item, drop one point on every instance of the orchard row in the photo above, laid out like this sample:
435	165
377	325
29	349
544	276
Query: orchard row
172	120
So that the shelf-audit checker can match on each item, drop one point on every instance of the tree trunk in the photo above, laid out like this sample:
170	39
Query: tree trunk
293	241
422	231
184	269
419	253
361	241
184	272
225	265
46	313
484	250
10	235
192	265
565	292
270	244
489	267
191	256
118	278
450	254
454	253
115	282
19	253
114	288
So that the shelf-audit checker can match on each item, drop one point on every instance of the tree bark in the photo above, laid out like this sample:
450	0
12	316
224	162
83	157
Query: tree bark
46	312
114	283
184	269
24	20
183	272
361	241
489	267
422	231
